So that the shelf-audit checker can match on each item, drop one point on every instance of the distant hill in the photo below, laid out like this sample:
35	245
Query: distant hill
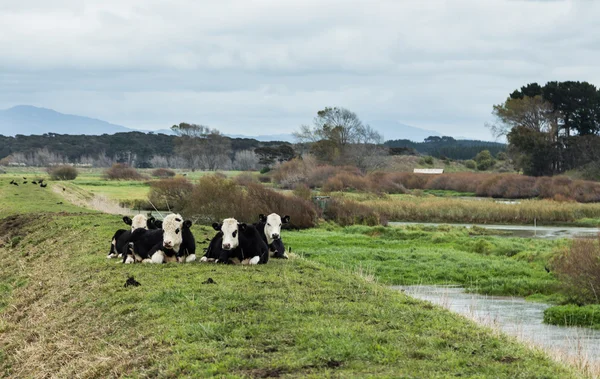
444	147
393	130
30	120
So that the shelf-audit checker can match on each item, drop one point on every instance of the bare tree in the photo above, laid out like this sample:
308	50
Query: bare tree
202	147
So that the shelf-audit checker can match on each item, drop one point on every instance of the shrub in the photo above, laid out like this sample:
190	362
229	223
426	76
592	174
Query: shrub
573	315
265	169
264	179
290	173
120	171
347	212
245	178
172	194
302	191
163	173
426	160
471	164
578	268
62	172
484	160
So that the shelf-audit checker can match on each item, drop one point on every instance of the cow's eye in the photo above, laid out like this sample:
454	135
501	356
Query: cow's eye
268	224
177	231
234	233
280	225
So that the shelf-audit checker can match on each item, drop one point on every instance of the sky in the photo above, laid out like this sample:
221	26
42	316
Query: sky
267	66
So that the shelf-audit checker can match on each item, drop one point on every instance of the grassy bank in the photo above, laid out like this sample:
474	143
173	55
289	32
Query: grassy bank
434	255
573	315
65	312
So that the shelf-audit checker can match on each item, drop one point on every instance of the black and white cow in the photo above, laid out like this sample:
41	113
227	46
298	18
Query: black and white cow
269	228
236	243
174	242
121	237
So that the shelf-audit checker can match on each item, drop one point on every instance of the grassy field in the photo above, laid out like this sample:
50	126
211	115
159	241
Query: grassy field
65	311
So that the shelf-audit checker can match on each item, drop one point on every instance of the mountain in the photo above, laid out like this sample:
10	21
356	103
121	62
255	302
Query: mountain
392	130
28	120
267	137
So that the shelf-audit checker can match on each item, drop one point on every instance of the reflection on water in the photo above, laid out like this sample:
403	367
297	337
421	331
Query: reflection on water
515	317
526	231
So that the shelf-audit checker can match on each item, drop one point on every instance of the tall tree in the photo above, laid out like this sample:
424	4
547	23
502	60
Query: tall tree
202	146
333	133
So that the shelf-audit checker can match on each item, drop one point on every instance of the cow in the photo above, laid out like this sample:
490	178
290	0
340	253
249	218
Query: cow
269	228
173	243
236	243
120	239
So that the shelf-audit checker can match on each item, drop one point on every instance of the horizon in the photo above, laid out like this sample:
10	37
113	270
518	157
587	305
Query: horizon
268	67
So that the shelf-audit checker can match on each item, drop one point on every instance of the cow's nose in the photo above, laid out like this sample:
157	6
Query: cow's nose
167	244
275	236
226	246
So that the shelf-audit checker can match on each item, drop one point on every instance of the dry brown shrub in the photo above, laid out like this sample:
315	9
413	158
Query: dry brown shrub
62	172
412	181
120	171
383	182
348	212
215	198
302	212
264	179
303	191
333	185
163	173
290	173
245	178
172	194
578	268
319	175
486	186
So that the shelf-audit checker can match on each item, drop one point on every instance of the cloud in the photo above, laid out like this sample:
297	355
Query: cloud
271	64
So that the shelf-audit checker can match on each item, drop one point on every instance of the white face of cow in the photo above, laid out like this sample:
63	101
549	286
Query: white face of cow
273	224
230	234
172	225
139	221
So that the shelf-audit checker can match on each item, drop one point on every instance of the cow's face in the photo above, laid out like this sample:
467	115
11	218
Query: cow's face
230	229
139	221
172	225
273	224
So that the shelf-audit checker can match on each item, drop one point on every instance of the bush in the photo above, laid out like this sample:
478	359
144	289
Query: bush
426	160
264	170
471	164
348	212
62	172
484	160
264	179
163	173
573	315
290	173
215	198
578	268
120	171
172	194
302	191
245	178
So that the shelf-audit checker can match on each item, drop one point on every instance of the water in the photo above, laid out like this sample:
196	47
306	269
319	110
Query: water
526	231
516	317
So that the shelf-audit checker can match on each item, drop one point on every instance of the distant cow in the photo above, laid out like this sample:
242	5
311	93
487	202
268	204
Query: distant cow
269	228
236	243
174	242
119	242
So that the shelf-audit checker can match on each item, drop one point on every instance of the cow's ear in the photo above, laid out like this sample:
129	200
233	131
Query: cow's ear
216	226
127	220
158	224
187	223
285	219
242	226
262	218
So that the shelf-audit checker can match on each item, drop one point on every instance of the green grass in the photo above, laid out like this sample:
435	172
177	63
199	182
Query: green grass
573	315
434	255
66	313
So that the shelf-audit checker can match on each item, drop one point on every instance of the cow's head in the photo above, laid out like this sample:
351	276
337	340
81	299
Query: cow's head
138	221
273	224
230	229
172	225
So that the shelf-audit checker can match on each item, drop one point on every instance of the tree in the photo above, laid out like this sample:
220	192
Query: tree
484	160
333	131
202	147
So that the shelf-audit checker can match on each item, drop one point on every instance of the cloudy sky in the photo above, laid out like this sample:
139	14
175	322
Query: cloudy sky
267	66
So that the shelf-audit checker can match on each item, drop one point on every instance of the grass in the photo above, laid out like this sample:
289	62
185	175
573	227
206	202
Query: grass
482	211
435	255
66	313
573	315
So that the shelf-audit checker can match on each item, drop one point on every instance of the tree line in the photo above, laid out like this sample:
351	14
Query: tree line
193	146
552	128
444	147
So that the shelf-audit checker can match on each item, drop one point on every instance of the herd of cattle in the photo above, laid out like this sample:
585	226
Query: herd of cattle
171	240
